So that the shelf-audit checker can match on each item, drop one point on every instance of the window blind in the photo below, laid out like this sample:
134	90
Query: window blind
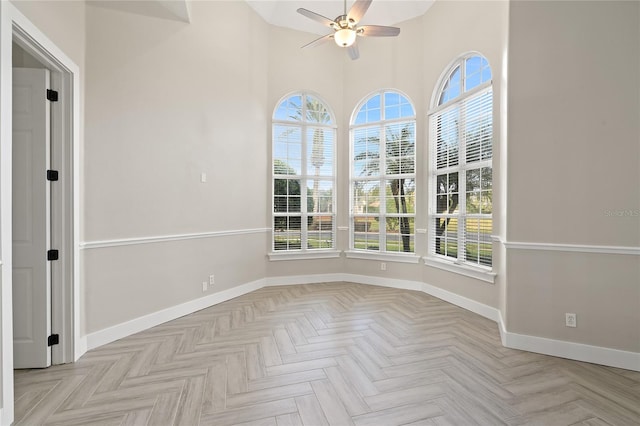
383	174
303	170
460	214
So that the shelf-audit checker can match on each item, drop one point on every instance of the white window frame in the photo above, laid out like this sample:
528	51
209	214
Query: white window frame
305	177
458	265
382	180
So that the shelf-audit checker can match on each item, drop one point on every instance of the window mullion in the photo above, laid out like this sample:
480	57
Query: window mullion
471	104
462	181
462	175
303	178
382	214
462	217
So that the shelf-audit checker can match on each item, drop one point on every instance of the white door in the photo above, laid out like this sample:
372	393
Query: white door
31	219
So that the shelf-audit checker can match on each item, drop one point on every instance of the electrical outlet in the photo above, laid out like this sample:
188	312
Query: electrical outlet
212	280
204	286
383	266
571	320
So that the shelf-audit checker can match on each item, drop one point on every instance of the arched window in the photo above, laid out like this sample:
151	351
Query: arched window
460	179
383	184
303	173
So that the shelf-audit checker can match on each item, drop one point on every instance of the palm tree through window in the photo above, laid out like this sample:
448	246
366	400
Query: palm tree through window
303	169
383	184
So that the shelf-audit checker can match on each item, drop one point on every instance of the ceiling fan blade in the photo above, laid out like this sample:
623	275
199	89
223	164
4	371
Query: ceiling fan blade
318	41
378	31
353	51
316	17
358	10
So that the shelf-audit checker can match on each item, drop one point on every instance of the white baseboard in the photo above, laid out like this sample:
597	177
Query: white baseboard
559	348
128	328
481	309
570	350
303	279
5	419
382	282
80	348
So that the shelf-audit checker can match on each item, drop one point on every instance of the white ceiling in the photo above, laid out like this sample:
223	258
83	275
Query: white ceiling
281	13
381	12
178	10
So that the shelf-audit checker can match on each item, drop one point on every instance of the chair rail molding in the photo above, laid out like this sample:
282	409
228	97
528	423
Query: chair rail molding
88	245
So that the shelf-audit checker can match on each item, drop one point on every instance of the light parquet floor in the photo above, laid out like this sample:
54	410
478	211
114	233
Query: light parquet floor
325	354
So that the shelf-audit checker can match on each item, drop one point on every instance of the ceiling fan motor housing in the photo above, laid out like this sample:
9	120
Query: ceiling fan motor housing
343	22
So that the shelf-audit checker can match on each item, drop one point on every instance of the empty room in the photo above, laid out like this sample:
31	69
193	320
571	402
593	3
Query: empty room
304	212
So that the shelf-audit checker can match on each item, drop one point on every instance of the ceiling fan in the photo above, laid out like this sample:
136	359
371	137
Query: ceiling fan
345	27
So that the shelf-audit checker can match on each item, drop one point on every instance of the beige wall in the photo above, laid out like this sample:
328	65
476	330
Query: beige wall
127	282
167	101
573	121
574	154
62	21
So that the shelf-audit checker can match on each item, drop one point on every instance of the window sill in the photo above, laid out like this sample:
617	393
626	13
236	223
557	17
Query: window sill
468	271
387	257
303	255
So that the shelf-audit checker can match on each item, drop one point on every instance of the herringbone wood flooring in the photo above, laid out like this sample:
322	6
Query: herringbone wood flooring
338	354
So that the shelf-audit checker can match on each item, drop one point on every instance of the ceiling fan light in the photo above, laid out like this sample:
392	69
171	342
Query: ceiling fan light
345	37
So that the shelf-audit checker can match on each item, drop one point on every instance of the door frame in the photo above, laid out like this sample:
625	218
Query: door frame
65	134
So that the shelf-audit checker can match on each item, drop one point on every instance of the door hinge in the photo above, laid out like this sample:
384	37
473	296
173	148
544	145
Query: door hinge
52	95
52	175
52	255
54	339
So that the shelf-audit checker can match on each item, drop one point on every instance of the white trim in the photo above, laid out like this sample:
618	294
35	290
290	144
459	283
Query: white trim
303	255
464	95
383	282
15	26
343	228
304	93
65	229
468	271
576	351
383	177
570	350
481	309
381	93
447	71
87	245
137	325
453	298
304	176
81	346
580	248
384	256
65	122
304	279
6	295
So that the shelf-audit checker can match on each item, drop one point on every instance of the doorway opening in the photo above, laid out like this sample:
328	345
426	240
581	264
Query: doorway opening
56	203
